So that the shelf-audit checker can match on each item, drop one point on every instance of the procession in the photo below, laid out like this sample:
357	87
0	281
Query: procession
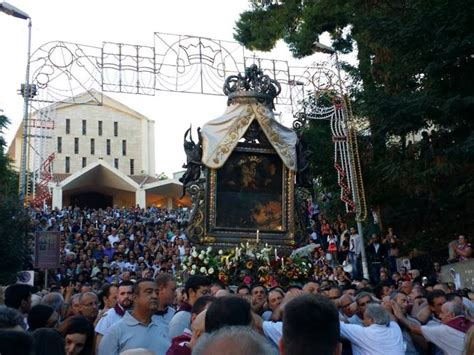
325	210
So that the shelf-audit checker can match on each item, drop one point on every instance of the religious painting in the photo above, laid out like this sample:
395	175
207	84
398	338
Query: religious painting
249	193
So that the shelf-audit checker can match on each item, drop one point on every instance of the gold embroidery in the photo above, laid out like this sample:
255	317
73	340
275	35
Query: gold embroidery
235	132
263	115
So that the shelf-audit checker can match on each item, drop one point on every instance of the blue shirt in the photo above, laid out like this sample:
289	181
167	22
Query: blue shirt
129	333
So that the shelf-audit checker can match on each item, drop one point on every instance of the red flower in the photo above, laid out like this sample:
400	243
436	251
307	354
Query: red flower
247	280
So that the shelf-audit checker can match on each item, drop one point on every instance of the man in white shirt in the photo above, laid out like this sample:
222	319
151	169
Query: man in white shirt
379	336
113	315
354	252
449	335
113	237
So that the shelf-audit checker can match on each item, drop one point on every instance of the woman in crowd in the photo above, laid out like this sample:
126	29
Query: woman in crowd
78	334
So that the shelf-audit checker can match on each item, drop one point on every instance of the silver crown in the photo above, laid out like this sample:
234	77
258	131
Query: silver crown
254	84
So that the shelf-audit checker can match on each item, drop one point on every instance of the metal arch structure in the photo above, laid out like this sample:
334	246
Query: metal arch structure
71	73
175	63
328	101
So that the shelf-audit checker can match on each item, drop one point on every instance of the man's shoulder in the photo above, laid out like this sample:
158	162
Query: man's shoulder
170	313
116	329
272	326
434	329
180	317
181	314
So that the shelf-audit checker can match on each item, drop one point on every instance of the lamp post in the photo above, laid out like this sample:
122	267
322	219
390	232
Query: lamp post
27	92
319	47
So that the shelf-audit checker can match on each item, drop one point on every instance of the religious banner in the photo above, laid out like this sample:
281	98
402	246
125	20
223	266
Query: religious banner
26	277
47	245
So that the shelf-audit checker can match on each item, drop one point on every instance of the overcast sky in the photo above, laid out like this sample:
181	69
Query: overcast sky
92	22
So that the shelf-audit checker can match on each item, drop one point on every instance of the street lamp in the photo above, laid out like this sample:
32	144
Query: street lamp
319	47
28	91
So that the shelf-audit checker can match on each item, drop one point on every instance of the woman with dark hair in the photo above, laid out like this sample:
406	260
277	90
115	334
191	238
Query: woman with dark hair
78	334
48	342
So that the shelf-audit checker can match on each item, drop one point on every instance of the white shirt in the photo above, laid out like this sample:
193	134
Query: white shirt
376	247
165	319
354	243
108	319
375	339
113	238
273	331
448	339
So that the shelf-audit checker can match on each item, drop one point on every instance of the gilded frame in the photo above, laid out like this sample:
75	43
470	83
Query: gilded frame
216	234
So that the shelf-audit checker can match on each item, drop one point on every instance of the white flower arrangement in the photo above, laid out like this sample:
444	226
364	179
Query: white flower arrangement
210	271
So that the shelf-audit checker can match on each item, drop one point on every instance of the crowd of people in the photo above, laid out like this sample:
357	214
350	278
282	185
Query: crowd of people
118	291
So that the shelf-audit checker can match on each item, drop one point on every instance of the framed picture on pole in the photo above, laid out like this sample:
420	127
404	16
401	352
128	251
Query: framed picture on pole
47	246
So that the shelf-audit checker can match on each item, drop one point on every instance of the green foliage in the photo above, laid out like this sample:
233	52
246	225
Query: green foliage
414	73
14	221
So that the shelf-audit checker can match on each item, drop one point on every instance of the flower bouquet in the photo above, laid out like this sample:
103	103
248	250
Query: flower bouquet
201	263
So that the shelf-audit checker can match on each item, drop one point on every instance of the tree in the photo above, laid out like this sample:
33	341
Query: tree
14	221
414	74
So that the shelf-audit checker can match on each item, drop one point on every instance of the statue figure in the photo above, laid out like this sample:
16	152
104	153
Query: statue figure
304	177
193	159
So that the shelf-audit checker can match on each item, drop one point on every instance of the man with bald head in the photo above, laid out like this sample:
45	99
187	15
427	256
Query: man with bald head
449	336
347	307
198	327
222	293
89	306
233	341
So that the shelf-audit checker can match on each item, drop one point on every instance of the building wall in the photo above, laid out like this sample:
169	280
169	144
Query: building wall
128	130
136	130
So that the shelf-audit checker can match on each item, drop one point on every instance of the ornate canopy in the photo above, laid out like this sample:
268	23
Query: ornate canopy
220	136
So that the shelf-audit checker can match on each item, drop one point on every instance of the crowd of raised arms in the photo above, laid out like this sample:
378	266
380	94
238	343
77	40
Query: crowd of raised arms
120	290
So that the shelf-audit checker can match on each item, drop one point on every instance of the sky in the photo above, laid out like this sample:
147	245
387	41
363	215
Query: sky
92	22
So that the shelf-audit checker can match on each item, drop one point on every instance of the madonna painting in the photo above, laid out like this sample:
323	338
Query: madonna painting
249	192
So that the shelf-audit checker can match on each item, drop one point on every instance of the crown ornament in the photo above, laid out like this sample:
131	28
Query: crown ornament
253	84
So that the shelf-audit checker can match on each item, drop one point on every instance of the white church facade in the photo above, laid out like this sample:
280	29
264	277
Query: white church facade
103	155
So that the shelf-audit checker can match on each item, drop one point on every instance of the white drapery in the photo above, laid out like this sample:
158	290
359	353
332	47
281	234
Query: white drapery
220	136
